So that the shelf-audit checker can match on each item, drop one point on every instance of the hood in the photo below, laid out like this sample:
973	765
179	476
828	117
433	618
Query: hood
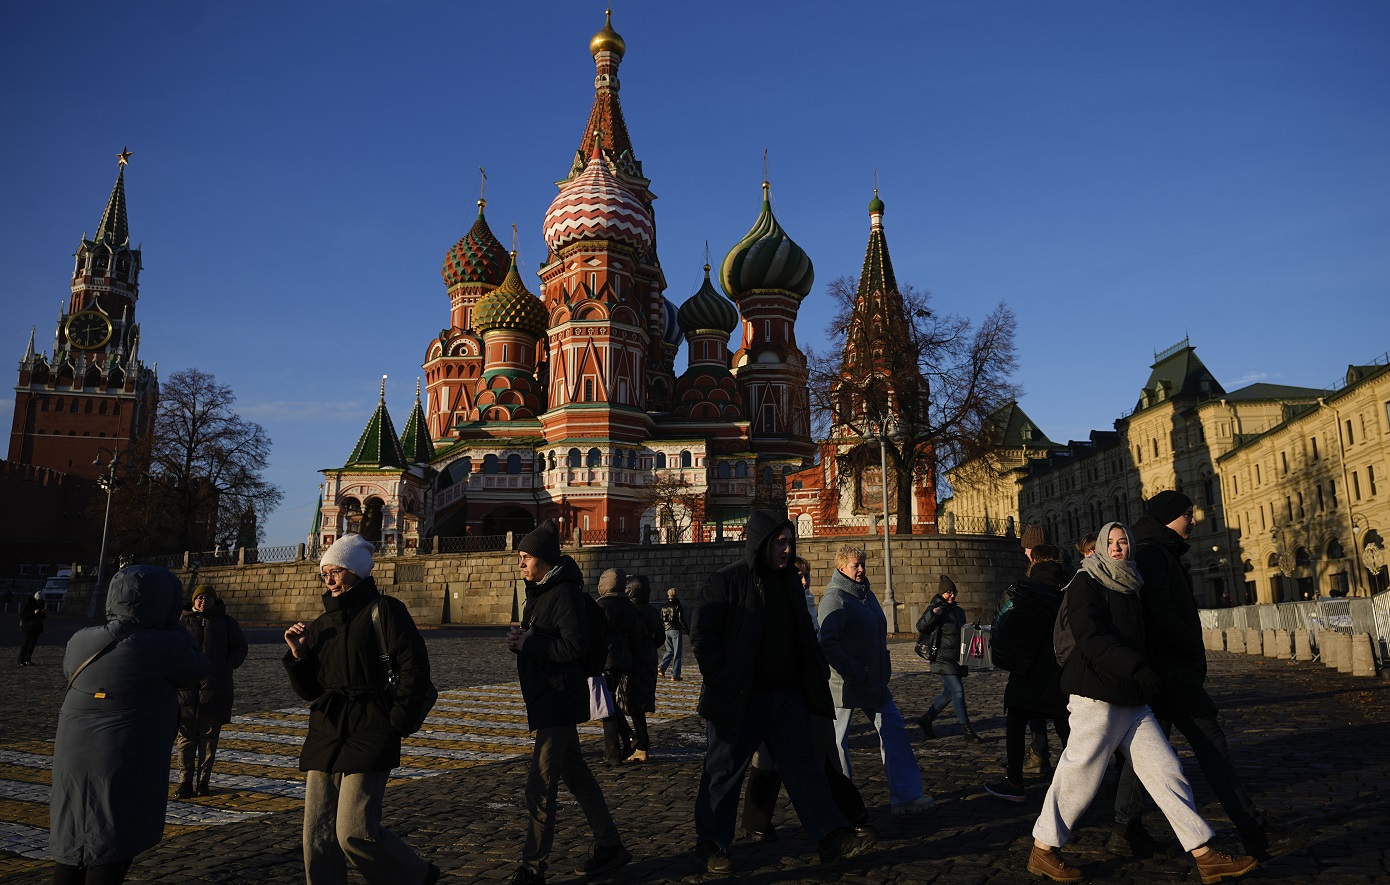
1148	530
639	589
1051	575
146	594
763	526
612	582
566	572
842	582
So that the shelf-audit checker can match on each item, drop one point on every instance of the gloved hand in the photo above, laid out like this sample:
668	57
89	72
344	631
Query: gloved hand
1149	682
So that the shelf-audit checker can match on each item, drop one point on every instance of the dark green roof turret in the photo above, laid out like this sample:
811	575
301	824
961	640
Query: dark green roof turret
378	446
875	205
416	445
707	310
766	258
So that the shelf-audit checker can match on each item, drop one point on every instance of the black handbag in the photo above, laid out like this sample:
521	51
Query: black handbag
393	678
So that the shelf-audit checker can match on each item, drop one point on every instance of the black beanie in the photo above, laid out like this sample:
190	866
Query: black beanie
543	542
1167	506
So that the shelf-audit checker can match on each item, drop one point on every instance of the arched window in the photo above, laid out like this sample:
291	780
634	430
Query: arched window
631	459
685	453
722	470
513	463
552	460
490	464
595	458
575	458
741	469
660	460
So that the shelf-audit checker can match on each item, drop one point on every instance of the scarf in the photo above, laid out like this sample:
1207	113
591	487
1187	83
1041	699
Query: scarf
1120	575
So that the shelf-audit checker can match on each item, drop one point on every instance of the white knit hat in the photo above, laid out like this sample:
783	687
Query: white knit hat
352	552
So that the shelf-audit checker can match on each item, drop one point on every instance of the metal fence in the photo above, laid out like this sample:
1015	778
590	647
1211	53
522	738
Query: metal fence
473	543
1357	614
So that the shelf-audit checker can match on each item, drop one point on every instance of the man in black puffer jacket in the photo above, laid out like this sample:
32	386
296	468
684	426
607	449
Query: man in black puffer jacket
1175	650
764	678
355	726
550	646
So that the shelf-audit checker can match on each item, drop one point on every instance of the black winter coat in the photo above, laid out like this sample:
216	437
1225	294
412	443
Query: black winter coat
550	665
217	635
638	693
624	631
950	619
727	625
1109	631
31	614
353	724
1173	630
1039	689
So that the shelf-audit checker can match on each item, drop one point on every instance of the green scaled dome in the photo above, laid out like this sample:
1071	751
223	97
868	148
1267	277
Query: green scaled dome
766	259
706	310
510	306
477	257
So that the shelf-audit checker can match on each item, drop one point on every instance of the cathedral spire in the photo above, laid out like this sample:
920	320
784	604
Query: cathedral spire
416	445
378	446
606	127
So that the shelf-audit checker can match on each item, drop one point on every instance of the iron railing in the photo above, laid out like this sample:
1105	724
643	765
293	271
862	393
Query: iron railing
473	543
1357	614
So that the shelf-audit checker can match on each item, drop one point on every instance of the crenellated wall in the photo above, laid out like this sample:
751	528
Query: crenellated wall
482	588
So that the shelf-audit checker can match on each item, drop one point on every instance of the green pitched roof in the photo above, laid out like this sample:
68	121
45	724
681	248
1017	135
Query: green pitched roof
1178	372
378	446
416	445
1015	430
113	230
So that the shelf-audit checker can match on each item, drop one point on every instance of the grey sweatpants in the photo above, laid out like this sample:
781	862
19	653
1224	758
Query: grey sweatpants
1097	730
342	825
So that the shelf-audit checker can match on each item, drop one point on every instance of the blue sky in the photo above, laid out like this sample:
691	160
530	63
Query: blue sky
1122	175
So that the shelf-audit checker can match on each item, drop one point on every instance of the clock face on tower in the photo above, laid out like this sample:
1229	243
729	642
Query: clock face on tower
88	330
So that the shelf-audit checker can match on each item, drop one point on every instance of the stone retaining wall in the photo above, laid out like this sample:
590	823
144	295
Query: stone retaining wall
482	588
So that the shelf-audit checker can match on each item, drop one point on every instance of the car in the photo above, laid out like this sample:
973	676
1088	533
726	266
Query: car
55	589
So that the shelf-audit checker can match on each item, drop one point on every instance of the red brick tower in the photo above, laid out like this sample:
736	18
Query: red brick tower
93	391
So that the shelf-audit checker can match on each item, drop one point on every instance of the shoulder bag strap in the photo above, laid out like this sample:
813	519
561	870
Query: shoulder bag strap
383	650
110	644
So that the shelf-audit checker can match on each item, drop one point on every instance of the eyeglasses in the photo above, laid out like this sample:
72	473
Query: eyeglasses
333	574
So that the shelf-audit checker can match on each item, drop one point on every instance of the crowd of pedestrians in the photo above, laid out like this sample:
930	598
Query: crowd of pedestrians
1108	654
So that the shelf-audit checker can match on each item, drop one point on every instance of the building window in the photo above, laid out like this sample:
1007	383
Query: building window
722	470
1257	475
1371	481
767	330
1349	437
575	458
685	458
1332	489
1355	486
660	460
588	390
1315	448
1138	455
513	463
740	469
1284	462
1321	508
595	459
1155	442
490	464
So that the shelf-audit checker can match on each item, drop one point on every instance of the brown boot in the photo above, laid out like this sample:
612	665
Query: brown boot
1217	867
1047	862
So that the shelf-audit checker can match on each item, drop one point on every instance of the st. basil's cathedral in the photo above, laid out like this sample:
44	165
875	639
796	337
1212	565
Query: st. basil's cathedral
567	404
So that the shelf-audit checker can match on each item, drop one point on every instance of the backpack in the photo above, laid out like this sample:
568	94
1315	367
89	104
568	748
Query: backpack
1063	640
1022	625
596	651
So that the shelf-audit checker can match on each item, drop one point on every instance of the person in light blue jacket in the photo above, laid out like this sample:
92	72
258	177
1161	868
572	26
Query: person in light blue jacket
854	638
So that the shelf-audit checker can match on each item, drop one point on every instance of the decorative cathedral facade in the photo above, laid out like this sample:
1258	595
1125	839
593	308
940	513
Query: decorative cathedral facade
566	403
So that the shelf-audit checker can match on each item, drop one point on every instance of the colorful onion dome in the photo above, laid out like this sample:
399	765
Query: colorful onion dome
607	40
671	334
766	259
596	205
477	258
707	310
511	306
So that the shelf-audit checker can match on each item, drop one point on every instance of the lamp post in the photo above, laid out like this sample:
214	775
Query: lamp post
1368	553
106	480
878	428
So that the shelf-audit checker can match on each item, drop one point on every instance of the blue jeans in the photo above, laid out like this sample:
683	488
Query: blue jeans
1208	744
899	762
781	720
952	692
672	653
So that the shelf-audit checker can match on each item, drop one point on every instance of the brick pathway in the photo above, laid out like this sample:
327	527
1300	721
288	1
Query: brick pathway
1310	741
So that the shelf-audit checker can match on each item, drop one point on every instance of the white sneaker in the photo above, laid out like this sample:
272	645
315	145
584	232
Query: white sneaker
920	805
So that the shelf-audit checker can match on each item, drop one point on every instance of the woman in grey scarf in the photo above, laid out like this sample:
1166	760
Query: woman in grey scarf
1110	684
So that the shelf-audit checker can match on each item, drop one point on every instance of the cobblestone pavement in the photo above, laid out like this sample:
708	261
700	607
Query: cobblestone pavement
1311	744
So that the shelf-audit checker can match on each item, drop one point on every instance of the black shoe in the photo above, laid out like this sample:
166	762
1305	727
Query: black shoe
185	790
713	858
1007	790
1271	840
970	736
524	876
768	835
845	843
925	721
605	858
431	874
1133	840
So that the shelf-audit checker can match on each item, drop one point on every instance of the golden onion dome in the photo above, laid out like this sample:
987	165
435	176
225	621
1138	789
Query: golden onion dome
607	40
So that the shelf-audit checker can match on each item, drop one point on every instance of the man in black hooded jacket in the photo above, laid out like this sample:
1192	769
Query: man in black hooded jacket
1174	648
764	677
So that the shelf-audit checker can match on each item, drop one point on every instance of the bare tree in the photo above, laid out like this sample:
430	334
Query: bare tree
678	503
928	381
198	478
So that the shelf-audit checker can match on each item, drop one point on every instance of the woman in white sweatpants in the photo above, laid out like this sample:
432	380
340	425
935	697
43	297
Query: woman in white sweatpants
1110	684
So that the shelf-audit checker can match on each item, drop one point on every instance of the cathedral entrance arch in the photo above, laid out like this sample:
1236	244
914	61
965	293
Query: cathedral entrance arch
507	519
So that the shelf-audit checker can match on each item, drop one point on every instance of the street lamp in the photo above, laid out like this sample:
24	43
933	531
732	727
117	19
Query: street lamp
107	481
1371	554
878	429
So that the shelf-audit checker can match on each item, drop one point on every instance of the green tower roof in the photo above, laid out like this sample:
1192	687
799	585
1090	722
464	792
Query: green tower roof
378	446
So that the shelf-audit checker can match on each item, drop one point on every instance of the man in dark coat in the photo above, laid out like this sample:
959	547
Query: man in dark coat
943	624
204	709
620	617
32	611
674	625
1174	647
550	647
764	678
637	693
116	728
355	723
